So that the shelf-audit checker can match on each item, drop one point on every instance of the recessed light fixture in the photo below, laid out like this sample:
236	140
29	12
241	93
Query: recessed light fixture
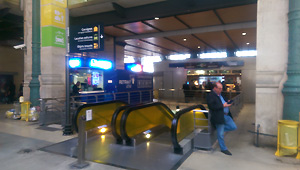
199	46
156	18
247	43
243	33
184	39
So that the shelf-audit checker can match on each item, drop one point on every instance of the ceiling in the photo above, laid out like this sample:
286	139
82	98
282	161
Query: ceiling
206	25
11	23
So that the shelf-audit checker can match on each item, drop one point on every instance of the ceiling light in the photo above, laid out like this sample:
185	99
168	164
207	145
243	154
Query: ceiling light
243	33
198	46
156	18
247	43
184	39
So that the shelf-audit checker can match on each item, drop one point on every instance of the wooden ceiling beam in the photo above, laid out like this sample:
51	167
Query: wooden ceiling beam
159	9
225	32
180	20
215	28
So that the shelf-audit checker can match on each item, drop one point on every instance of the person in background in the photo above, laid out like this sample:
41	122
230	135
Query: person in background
20	93
11	92
209	85
224	86
221	117
76	89
186	91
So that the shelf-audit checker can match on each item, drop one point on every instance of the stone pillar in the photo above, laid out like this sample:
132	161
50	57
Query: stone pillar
28	51
272	56
53	51
291	88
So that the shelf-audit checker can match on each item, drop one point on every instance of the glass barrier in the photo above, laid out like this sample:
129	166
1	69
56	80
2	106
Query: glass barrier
138	119
184	124
101	114
187	123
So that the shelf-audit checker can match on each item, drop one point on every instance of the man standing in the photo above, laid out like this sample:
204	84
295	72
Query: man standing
186	91
221	117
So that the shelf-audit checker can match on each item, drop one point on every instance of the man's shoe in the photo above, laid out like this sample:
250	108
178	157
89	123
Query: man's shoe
226	152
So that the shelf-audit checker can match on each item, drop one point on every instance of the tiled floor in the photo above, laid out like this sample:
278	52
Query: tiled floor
20	141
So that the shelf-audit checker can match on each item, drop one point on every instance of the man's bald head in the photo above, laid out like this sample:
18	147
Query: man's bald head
217	88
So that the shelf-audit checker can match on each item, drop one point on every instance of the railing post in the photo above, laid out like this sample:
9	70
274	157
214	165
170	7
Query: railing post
128	97
81	163
114	96
141	97
43	112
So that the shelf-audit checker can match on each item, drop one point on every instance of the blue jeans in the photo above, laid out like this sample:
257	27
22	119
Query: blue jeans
221	128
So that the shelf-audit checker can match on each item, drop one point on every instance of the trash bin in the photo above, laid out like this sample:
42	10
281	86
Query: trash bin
287	139
25	106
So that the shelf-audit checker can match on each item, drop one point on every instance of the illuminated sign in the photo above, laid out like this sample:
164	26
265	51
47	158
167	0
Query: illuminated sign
134	67
74	62
95	78
85	38
103	64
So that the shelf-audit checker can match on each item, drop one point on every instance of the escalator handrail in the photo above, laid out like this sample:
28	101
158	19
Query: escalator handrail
130	109
175	121
114	121
90	105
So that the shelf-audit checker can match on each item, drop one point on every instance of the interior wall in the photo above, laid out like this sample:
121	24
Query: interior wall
12	63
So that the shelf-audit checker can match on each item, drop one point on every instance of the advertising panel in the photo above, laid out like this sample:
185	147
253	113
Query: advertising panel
61	3
53	36
53	15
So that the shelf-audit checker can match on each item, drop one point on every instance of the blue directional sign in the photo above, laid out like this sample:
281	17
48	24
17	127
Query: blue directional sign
86	38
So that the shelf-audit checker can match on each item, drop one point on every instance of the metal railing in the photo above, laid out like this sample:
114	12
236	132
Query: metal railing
132	97
237	105
189	96
53	109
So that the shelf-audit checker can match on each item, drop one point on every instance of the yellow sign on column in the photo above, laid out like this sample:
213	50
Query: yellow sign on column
61	3
52	15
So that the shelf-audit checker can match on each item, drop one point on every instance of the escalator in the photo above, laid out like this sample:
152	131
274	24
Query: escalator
137	137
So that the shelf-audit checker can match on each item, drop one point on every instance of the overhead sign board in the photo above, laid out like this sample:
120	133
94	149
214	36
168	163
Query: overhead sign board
86	38
208	65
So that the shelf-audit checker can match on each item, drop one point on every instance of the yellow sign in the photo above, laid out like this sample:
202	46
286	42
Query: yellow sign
95	29
53	16
61	3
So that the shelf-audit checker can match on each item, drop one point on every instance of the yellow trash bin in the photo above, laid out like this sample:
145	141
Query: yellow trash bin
25	106
287	139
